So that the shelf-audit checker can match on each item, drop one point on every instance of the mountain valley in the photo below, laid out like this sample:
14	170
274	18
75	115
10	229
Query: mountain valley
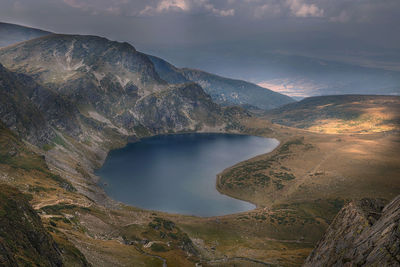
67	100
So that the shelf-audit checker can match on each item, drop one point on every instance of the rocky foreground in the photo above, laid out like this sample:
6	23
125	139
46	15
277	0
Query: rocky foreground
364	233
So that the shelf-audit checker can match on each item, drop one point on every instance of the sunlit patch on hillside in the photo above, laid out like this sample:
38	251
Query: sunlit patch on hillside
374	120
342	114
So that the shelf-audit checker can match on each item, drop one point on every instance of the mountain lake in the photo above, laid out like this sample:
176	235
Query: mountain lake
177	173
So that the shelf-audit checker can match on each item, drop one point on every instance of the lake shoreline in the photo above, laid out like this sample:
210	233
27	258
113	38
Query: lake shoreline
159	138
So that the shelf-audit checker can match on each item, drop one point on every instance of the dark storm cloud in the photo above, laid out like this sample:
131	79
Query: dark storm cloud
177	21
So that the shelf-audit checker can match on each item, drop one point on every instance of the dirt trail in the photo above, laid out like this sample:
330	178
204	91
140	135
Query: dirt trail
313	170
56	201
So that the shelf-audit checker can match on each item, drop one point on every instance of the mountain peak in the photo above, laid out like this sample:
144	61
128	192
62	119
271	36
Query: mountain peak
85	39
69	57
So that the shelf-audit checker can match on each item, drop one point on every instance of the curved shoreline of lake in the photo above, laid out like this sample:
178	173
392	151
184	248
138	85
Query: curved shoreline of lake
177	173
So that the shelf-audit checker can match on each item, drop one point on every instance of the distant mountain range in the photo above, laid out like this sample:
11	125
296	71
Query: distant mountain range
222	90
285	72
305	76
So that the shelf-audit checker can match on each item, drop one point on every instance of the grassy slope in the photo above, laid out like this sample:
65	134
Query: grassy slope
24	169
318	166
23	239
310	176
75	221
298	188
341	114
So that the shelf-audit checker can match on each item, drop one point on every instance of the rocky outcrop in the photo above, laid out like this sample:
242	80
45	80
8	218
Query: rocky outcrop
23	239
364	233
34	111
180	108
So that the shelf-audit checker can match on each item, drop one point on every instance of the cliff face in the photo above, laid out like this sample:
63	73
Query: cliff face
23	239
28	121
32	110
364	233
182	107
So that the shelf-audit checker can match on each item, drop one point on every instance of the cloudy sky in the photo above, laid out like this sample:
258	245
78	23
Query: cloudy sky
229	36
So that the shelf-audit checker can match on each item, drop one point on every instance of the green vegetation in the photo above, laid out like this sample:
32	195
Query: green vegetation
278	184
71	255
14	153
162	232
56	140
158	248
47	147
58	208
282	175
259	173
61	182
285	148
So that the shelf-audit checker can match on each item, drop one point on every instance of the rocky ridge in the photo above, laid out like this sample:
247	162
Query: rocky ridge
364	233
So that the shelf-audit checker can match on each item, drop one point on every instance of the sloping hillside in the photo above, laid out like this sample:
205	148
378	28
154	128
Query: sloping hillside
341	114
223	91
31	110
23	239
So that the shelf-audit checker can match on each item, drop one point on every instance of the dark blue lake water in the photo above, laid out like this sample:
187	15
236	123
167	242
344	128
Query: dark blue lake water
177	173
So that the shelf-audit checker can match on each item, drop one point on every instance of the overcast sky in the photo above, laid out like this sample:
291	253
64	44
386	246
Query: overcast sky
205	33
